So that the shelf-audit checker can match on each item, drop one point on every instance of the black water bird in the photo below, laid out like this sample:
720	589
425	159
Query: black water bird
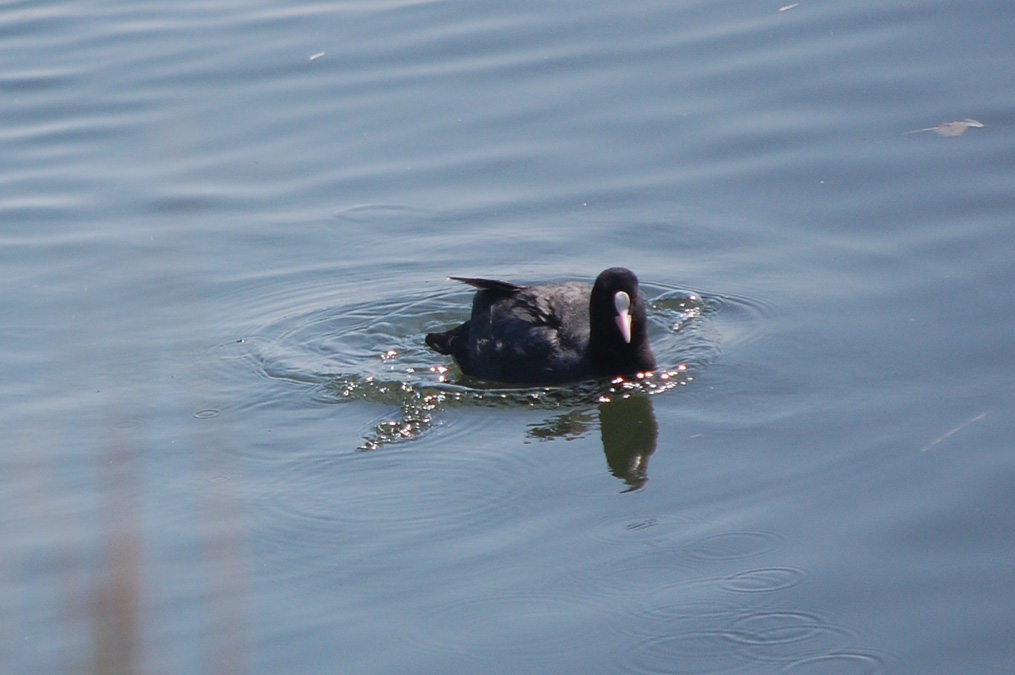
552	333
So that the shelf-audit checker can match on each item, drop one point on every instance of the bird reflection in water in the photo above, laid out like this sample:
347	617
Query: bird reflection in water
629	431
628	428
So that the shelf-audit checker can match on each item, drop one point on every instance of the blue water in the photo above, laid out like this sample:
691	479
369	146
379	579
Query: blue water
225	229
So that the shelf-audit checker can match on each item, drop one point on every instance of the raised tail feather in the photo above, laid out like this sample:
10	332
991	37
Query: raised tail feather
489	284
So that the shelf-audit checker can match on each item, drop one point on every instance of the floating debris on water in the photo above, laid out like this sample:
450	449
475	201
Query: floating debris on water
956	128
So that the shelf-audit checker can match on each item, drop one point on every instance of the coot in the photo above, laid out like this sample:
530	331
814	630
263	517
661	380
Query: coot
552	333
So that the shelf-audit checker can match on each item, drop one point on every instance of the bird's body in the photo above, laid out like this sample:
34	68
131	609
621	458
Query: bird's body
551	333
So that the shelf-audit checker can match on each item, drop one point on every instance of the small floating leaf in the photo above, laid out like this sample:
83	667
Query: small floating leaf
951	128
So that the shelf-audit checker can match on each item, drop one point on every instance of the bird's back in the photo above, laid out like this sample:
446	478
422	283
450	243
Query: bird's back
528	334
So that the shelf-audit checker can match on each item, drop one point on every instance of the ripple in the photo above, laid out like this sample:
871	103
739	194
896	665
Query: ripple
846	663
705	636
679	607
207	413
738	319
787	635
765	580
706	651
639	576
680	326
699	325
648	529
380	214
733	545
408	493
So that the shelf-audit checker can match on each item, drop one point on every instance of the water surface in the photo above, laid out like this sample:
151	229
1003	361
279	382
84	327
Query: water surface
227	227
